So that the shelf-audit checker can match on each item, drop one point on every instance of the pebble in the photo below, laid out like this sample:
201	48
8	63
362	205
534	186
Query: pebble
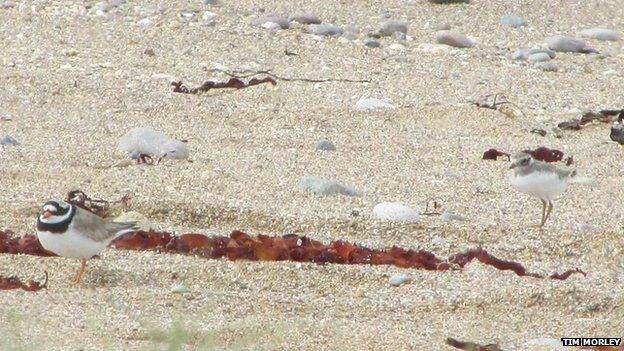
186	16
601	34
283	22
324	186
306	18
539	57
561	43
178	289
208	17
397	47
400	36
146	22
148	141
390	27
449	216
211	2
372	103
7	4
513	21
442	26
438	240
372	43
523	54
395	211
455	39
547	66
8	140
271	26
325	29
398	279
325	145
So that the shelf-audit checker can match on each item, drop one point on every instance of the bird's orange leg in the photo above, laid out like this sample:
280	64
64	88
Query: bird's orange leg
83	266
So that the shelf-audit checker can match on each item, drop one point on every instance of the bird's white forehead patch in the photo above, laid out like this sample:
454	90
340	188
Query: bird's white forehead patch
49	208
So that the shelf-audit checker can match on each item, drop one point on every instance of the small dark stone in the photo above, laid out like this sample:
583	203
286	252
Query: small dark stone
617	134
540	132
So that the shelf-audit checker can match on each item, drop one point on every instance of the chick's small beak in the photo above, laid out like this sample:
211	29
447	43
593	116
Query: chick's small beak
512	166
46	214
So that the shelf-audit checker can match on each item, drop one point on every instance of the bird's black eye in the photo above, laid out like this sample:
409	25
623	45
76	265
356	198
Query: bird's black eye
525	162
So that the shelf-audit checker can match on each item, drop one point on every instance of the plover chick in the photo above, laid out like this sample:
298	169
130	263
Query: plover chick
540	179
70	231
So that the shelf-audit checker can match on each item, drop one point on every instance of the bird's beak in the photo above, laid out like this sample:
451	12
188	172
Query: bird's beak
46	214
512	166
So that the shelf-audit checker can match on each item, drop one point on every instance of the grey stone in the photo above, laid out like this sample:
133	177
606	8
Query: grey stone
449	216
283	22
325	145
8	140
523	54
399	279
453	38
323	186
513	21
601	34
306	18
400	36
325	29
539	57
371	43
561	43
390	27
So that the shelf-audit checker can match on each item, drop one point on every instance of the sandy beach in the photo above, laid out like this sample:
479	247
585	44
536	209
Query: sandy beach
76	80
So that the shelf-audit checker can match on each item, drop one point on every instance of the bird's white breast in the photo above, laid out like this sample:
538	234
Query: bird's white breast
70	244
544	185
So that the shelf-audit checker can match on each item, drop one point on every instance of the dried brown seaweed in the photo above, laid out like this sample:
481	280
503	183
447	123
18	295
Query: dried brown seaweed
471	346
493	154
240	245
99	207
27	245
545	154
208	85
603	116
541	153
11	283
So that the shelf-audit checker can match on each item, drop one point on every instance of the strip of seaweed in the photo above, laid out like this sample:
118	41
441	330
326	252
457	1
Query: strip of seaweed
11	283
603	116
292	247
233	82
542	153
289	247
471	346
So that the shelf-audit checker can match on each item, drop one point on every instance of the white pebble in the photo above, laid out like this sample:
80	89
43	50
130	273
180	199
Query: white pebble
399	279
372	103
145	140
323	186
395	211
